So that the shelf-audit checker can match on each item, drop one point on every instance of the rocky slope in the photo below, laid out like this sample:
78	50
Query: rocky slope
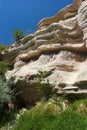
57	47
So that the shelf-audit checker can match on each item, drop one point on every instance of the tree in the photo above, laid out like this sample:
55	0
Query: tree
6	101
5	91
18	34
5	88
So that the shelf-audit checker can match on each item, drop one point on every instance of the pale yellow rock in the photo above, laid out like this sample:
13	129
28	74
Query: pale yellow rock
56	47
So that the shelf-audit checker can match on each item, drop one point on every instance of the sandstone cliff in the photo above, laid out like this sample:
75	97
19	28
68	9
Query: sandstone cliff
57	47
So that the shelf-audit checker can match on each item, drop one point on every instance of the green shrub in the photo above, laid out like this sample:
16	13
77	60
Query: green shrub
18	34
3	66
43	117
70	120
80	106
7	118
2	47
38	117
6	93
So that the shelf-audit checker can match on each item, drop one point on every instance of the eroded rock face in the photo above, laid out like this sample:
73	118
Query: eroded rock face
57	47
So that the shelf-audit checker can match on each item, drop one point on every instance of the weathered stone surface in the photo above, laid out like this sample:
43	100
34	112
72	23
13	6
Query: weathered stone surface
82	20
57	47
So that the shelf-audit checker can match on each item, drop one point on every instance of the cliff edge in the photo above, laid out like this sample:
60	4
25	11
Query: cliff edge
57	47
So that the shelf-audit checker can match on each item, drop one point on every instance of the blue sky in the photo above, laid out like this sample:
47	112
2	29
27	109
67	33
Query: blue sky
25	14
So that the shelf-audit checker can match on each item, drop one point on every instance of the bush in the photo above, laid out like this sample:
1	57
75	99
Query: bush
70	120
44	117
37	117
7	119
6	95
2	47
5	91
80	106
3	66
18	34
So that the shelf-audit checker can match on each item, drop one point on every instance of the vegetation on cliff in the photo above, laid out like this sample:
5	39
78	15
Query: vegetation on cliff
2	47
50	116
6	92
18	34
3	66
54	49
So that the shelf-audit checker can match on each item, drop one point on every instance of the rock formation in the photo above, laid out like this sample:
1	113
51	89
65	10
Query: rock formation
57	47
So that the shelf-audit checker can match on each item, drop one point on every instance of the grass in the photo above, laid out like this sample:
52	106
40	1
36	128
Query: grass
70	120
48	116
80	106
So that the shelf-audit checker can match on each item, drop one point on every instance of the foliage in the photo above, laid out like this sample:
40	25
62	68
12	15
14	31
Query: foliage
70	120
7	119
80	106
63	103
38	116
2	47
3	66
44	117
43	86
5	91
18	34
6	95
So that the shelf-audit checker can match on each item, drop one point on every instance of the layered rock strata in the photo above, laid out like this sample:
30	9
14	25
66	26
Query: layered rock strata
57	47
